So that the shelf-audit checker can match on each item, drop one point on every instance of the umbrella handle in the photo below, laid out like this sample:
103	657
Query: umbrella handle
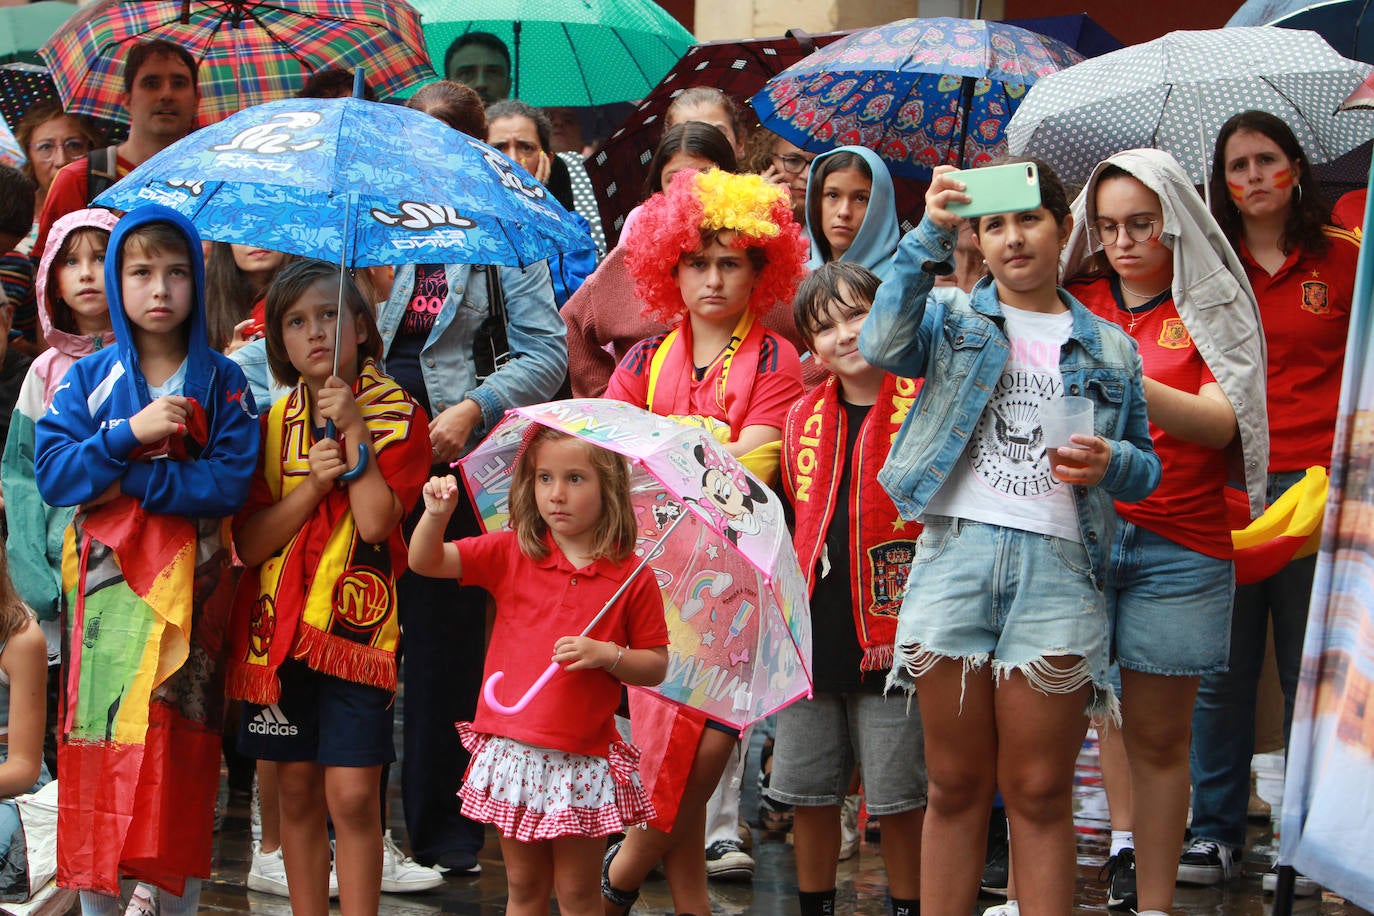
489	691
361	466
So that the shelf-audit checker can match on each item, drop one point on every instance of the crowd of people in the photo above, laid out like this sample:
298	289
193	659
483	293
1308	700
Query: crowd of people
215	452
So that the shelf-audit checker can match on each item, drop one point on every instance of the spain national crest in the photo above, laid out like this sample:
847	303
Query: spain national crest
1173	335
1314	297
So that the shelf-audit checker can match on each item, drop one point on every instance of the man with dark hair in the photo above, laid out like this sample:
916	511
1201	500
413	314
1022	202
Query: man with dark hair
480	60
161	94
332	83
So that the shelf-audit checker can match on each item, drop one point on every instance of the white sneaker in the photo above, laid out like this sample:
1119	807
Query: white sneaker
268	874
141	902
1303	886
403	875
1010	908
849	827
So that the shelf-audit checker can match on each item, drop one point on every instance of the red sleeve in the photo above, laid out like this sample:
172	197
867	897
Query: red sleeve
644	620
630	381
66	194
259	496
485	557
775	391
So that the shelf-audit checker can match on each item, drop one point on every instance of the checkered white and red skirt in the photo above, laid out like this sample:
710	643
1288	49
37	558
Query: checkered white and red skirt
534	793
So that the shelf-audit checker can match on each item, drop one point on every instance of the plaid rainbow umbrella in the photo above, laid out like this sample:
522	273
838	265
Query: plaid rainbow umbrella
250	51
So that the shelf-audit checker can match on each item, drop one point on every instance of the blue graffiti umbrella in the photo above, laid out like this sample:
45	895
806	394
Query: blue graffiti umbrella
356	183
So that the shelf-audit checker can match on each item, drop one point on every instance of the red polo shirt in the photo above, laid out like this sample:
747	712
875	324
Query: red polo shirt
67	194
1305	308
538	602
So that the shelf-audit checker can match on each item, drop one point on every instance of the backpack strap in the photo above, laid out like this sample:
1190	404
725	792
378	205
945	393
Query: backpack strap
102	171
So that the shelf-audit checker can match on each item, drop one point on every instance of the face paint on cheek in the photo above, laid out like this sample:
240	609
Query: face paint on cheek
1237	191
1284	180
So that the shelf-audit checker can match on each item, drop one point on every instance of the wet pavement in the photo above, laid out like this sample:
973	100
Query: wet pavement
861	887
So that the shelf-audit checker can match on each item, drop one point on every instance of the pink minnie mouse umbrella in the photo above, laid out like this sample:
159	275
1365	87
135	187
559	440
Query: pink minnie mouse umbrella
712	535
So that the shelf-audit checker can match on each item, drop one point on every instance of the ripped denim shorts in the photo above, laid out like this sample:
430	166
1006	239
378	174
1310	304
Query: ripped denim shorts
988	594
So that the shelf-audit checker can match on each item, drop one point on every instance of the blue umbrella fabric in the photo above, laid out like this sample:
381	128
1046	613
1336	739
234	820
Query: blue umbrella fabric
919	92
1263	12
1347	25
353	182
1175	92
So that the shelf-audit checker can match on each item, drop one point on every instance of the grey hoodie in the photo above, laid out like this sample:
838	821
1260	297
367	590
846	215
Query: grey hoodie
1211	292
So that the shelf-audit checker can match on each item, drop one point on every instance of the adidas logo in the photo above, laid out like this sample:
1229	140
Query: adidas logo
271	721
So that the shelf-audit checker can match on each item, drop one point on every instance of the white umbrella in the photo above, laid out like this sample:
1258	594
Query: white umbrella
1174	94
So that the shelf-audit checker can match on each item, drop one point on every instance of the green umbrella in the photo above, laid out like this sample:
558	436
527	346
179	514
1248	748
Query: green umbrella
23	29
566	52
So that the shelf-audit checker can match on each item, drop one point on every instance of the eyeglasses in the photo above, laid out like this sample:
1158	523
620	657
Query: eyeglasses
1138	229
792	165
72	149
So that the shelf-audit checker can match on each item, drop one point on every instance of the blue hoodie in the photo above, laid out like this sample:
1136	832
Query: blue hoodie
84	440
875	244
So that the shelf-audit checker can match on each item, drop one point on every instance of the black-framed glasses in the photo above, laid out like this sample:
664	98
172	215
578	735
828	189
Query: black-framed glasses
1138	229
792	164
73	148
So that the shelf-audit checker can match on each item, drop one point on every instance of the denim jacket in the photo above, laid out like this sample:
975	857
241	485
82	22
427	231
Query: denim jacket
958	344
535	331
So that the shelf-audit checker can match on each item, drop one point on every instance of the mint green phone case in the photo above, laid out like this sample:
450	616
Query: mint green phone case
1010	188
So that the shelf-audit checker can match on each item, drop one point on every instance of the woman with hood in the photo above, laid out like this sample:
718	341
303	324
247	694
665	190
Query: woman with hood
70	290
851	210
1146	254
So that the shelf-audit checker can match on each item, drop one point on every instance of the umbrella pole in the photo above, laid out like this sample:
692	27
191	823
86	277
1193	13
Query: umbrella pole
516	76
489	688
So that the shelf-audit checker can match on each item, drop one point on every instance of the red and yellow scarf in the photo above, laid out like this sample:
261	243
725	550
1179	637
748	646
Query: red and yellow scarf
328	597
812	456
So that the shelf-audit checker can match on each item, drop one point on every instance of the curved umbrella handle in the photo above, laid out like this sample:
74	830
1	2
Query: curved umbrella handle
361	466
489	691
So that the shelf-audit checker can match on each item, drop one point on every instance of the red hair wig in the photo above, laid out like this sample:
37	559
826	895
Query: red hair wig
690	212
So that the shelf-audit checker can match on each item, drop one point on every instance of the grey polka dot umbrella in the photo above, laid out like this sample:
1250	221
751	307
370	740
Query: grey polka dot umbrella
1175	92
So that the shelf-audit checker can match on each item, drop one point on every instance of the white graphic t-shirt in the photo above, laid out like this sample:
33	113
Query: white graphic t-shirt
1003	477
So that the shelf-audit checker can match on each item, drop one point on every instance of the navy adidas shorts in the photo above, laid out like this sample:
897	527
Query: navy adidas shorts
320	718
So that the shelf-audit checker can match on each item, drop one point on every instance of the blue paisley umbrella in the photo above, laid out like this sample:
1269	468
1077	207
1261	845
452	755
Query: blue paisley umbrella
919	92
356	183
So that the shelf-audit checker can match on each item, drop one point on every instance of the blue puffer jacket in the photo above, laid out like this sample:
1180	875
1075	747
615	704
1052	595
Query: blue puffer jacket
957	343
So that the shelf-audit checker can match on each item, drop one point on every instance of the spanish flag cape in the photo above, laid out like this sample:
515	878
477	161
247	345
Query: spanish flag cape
148	598
327	597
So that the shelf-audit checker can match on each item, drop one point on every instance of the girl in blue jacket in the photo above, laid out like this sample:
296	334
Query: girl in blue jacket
1004	627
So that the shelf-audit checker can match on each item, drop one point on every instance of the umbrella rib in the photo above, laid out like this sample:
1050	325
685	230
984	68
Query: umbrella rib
577	61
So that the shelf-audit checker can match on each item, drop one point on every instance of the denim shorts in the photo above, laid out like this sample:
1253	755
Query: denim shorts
986	593
1170	605
319	718
820	740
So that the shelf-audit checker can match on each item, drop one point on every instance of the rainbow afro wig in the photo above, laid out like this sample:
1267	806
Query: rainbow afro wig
671	224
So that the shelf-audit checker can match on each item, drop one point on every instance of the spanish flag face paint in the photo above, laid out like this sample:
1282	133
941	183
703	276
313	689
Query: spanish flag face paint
1259	175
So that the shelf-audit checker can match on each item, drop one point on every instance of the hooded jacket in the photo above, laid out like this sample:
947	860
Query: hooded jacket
1211	292
875	243
84	440
34	542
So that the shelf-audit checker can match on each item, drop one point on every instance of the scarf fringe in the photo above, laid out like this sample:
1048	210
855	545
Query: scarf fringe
345	659
877	658
254	683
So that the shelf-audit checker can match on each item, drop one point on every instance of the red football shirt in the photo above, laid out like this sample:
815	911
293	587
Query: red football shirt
1305	308
1188	507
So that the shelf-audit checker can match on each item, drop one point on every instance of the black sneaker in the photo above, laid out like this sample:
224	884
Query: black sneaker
727	861
997	861
1206	863
1119	873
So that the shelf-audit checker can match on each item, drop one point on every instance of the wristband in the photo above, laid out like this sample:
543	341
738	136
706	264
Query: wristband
619	654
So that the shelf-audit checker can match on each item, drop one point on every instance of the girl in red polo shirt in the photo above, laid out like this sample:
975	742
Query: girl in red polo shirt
556	779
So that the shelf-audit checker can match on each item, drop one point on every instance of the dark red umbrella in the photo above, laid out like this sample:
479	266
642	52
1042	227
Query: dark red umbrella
737	68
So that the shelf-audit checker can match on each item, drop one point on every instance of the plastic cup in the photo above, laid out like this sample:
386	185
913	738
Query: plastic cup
1061	418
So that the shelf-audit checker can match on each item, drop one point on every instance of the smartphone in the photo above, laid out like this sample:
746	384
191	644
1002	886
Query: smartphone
1010	188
